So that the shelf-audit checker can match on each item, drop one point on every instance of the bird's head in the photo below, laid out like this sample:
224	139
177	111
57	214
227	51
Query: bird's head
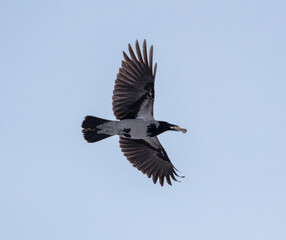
164	126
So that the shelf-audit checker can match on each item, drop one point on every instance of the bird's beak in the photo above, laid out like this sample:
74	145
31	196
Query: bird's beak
177	128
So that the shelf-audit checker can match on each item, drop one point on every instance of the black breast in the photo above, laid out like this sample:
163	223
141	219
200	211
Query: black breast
151	130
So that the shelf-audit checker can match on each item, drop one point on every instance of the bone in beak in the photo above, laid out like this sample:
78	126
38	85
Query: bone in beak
183	130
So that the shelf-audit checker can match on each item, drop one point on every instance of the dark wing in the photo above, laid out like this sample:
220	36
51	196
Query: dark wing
133	94
149	157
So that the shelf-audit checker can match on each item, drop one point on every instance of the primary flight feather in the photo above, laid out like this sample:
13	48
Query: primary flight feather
132	101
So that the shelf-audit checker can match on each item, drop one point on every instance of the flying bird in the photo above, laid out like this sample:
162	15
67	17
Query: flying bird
132	101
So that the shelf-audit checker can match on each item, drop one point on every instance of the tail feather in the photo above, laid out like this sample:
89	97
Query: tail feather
90	129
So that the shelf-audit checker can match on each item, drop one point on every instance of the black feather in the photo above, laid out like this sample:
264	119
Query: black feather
90	129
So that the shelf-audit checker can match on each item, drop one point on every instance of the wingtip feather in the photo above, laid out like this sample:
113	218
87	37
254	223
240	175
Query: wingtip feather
151	58
145	52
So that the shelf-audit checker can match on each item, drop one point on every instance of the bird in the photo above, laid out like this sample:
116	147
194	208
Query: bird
132	104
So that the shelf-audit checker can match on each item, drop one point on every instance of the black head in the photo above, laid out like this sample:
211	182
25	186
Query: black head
153	130
165	126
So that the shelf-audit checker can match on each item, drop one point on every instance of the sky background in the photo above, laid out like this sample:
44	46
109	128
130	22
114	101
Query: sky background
221	74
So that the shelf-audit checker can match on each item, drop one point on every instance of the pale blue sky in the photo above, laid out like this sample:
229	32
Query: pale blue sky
221	73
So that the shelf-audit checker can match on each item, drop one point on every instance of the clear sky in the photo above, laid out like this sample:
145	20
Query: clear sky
221	74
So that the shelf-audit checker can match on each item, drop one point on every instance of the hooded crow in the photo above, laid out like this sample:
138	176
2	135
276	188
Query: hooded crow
132	101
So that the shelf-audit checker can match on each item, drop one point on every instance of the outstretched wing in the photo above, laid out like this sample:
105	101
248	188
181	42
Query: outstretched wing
133	94
149	157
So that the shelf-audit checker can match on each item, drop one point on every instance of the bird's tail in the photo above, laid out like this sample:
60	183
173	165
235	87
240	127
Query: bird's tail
90	129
